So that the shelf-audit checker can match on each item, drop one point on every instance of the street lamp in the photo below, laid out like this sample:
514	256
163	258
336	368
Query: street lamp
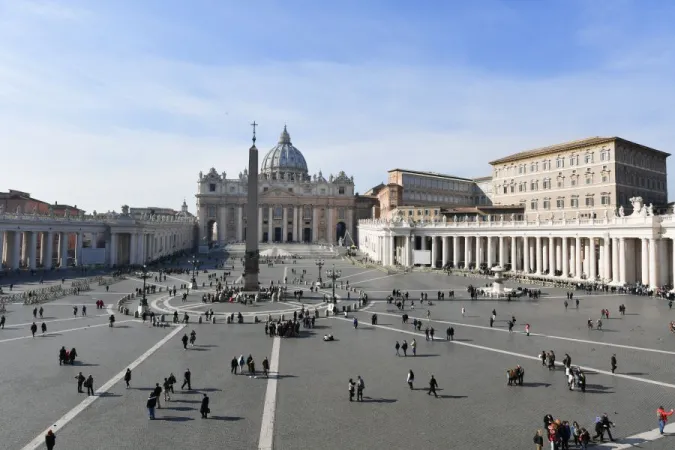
333	275
320	263
144	300
194	263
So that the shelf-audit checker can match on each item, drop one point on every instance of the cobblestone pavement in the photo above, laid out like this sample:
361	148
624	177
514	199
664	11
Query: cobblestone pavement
475	408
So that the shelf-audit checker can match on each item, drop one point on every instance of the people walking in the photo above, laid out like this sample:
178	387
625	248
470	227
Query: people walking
404	347
411	379
352	388
613	362
80	382
397	346
413	346
2	321
33	329
204	409
450	334
187	380
241	364
50	440
167	388
433	384
89	384
360	386
234	364
127	377
150	404
158	391
185	341
265	366
44	328
662	416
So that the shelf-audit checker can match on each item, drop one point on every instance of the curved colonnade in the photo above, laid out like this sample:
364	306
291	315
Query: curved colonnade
33	241
613	250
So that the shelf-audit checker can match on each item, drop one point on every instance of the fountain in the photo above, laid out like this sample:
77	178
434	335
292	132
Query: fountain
498	289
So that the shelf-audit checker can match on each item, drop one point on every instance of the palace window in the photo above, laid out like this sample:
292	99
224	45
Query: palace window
410	212
605	198
265	189
212	187
505	189
534	203
547	203
560	203
574	202
559	163
574	160
513	188
534	185
573	180
604	155
546	165
589	178
561	182
588	158
547	183
231	188
341	190
534	167
522	187
426	212
589	201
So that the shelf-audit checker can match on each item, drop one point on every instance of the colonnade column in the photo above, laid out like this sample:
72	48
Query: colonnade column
16	252
514	253
2	247
478	251
607	260
672	241
593	266
577	258
47	262
551	256
32	250
622	260
406	249
538	255
63	246
240	223
526	254
446	250
455	251
392	250
434	252
653	269
490	254
502	253
615	260
565	258
467	251
645	261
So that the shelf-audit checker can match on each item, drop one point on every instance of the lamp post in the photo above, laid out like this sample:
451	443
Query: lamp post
333	275
320	263
144	300
194	263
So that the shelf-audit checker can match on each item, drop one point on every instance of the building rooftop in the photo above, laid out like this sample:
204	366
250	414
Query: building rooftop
430	174
571	145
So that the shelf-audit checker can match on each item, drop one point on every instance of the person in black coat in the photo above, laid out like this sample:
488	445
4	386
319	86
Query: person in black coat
50	440
205	407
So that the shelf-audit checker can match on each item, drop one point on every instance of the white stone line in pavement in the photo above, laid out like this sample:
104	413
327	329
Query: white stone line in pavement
20	325
359	273
373	279
266	440
39	336
560	338
521	355
636	440
70	415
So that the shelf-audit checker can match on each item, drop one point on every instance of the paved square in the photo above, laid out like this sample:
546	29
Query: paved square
306	404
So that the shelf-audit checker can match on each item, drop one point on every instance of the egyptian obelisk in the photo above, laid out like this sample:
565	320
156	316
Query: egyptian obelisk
251	268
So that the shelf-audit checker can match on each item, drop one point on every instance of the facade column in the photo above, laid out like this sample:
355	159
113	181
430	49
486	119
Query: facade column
133	247
392	250
539	255
592	260
526	254
577	258
514	253
551	256
32	250
240	223
113	248
565	258
315	224
2	247
558	254
445	250
260	224
330	229
502	253
48	262
296	225
455	251
645	261
423	243
479	256
406	252
284	225
489	245
16	250
270	229
467	251
653	268
434	251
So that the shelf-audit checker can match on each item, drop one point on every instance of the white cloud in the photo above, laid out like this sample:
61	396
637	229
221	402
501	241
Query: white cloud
100	129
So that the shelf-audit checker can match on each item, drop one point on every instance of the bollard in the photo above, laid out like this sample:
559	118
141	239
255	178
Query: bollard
282	318
349	308
213	319
269	317
162	318
316	313
136	314
327	313
256	320
355	306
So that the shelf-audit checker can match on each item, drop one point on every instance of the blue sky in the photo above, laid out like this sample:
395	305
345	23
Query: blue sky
107	103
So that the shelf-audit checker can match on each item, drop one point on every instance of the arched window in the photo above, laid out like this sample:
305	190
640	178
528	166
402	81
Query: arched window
278	211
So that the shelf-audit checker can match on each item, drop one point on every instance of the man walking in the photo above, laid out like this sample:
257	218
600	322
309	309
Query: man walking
80	381
233	365
433	384
157	392
187	380
127	377
266	367
613	362
185	341
360	386
150	404
662	416
50	440
411	379
90	385
204	409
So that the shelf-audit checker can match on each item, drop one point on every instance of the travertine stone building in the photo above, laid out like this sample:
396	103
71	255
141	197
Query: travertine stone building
294	206
581	178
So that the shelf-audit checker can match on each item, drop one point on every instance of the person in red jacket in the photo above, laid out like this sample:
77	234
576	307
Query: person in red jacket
662	415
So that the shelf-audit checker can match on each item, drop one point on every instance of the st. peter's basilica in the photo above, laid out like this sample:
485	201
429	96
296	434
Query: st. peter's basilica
294	206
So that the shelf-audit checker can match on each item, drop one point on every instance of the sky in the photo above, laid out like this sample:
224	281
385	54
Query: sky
106	103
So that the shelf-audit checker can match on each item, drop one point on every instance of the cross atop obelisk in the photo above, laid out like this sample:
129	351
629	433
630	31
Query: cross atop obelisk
254	125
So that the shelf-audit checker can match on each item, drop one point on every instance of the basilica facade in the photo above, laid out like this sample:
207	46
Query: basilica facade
293	205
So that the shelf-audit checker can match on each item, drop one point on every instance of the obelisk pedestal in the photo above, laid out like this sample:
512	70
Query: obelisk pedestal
251	267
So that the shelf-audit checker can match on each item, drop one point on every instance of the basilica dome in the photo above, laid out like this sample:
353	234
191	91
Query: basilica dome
284	161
